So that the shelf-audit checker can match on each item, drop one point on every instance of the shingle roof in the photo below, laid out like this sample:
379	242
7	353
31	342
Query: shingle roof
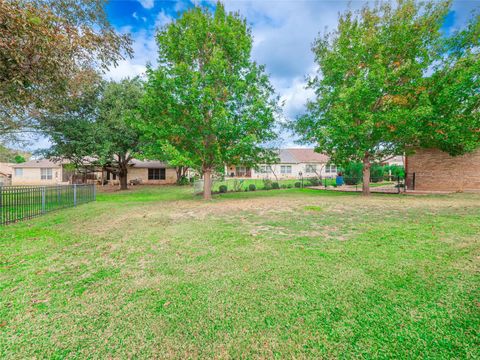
149	164
42	163
296	156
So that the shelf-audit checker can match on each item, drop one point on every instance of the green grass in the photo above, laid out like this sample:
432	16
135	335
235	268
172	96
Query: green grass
157	273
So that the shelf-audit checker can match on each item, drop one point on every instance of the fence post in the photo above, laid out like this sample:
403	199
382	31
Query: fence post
94	192
398	184
43	199
74	194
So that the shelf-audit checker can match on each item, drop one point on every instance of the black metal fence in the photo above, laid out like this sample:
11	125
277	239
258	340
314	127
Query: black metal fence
25	202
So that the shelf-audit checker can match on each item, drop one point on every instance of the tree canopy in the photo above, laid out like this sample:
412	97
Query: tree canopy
374	94
45	45
93	126
207	99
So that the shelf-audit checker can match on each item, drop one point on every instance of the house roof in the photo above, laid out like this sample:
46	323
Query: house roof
148	164
296	156
6	169
41	163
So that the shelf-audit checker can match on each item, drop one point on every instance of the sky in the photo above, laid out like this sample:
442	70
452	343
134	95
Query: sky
283	32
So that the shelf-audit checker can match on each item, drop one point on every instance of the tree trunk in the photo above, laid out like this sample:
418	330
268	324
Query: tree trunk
178	170
207	184
366	176
123	179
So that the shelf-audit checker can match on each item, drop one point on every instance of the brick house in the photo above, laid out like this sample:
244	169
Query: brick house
435	170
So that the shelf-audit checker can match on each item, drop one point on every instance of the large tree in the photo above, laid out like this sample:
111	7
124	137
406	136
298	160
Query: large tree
454	92
207	99
371	87
93	127
45	45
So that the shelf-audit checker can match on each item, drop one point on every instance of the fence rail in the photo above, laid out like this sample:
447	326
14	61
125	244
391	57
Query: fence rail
25	202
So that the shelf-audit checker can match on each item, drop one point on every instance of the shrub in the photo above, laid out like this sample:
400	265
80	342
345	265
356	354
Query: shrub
284	186
376	173
252	187
298	184
314	181
275	186
183	181
352	173
223	188
267	184
289	186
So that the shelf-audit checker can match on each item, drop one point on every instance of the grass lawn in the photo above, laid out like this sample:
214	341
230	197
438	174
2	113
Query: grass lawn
296	273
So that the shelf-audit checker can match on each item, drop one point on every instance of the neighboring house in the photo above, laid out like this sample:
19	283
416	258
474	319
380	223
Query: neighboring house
398	160
293	163
146	172
5	173
435	170
38	172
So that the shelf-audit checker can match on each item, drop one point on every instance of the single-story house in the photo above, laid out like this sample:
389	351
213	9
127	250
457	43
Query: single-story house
151	172
435	170
38	172
48	172
293	163
6	171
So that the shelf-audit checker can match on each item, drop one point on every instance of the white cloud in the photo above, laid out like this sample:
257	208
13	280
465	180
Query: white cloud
147	4
162	19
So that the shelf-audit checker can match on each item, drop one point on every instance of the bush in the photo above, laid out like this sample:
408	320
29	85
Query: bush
289	186
376	173
314	181
223	188
298	184
267	184
275	186
284	186
183	181
352	174
252	187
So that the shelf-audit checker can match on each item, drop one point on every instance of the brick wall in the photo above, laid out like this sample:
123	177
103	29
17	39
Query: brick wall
436	170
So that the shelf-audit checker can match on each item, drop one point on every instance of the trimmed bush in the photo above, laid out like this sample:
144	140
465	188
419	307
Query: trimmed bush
223	188
183	181
284	186
298	184
314	181
252	187
289	186
275	186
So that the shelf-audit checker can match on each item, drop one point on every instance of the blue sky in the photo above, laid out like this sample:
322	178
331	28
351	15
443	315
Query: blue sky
283	32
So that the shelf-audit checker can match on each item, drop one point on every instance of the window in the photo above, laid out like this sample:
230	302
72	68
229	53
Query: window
286	169
265	169
18	172
330	168
46	174
156	174
241	171
311	168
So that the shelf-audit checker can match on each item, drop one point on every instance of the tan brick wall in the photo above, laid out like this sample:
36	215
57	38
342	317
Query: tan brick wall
142	174
436	170
32	176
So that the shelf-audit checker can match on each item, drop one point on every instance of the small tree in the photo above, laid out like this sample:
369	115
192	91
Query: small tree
207	99
371	87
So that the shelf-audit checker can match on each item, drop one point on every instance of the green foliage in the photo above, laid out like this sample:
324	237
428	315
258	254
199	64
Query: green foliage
207	99
94	127
252	187
374	97
289	186
352	173
396	171
19	159
314	181
376	173
183	181
223	188
275	185
267	184
46	47
298	184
